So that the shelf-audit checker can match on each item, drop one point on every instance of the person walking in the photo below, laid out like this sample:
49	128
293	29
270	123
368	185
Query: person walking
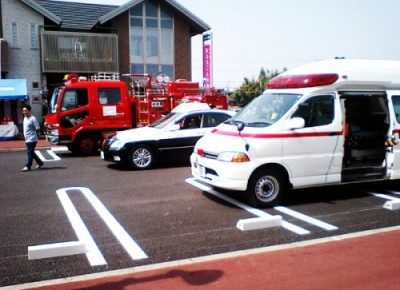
31	132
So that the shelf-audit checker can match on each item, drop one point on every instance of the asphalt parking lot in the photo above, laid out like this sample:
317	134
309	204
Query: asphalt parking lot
162	214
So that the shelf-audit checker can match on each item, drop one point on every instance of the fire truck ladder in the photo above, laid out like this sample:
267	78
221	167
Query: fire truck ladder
143	112
105	76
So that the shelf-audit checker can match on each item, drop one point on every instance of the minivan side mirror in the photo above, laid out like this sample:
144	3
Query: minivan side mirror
294	123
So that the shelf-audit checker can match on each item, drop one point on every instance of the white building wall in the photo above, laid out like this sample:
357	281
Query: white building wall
24	61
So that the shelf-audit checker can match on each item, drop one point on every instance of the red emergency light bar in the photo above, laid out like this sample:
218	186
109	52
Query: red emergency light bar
302	81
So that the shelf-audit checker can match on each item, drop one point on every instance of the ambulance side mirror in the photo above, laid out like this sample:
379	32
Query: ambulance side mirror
240	126
294	123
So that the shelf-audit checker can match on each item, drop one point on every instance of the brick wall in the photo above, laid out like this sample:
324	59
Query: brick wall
183	48
121	25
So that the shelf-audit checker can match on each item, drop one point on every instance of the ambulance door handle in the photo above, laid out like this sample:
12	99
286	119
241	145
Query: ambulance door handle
332	134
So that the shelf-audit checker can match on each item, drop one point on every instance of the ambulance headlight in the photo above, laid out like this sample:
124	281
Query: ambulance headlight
233	157
116	144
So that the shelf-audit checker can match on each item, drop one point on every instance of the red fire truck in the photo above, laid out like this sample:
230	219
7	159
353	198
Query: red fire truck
83	112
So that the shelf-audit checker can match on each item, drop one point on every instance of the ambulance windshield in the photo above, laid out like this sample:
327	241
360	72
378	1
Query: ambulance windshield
265	110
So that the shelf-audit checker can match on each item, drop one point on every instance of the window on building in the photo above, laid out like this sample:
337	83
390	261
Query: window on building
151	39
152	69
14	36
34	36
137	68
168	70
166	46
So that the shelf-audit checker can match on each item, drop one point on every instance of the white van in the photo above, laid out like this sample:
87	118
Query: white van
329	122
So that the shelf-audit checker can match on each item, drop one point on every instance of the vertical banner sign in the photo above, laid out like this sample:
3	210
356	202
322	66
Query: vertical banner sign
207	60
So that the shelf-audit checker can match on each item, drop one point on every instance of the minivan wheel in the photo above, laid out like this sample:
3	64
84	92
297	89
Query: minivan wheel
266	188
141	157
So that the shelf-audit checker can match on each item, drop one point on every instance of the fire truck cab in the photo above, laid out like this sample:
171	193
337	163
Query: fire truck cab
82	111
329	122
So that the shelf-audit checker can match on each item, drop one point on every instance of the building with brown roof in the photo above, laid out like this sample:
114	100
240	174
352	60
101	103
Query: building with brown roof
43	40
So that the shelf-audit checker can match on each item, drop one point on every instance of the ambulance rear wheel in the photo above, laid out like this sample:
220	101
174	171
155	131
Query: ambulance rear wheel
266	188
141	157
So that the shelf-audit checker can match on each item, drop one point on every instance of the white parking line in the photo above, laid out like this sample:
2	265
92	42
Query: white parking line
131	247
393	203
384	196
51	153
395	192
93	253
59	148
306	218
256	212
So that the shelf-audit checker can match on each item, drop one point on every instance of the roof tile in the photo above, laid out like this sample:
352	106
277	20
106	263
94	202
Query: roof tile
74	15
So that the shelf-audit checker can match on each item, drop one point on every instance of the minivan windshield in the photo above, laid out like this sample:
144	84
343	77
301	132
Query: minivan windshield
265	110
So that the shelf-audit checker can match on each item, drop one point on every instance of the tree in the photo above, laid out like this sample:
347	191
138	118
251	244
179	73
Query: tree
251	89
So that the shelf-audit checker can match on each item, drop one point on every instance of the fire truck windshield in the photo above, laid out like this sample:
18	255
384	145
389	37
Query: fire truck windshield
265	110
54	100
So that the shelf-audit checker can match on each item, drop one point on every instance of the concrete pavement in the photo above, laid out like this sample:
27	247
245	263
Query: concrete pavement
19	144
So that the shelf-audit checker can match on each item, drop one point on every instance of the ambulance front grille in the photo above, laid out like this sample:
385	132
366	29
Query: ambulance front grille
210	155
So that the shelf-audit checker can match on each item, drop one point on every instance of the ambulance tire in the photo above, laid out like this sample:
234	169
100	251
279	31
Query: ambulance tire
87	144
266	188
141	157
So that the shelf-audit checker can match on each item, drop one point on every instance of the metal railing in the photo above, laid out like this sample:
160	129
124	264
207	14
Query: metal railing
64	52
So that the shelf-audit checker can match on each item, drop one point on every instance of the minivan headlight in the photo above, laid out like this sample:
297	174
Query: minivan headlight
233	157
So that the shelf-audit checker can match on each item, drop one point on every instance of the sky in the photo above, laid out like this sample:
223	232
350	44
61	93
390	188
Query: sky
250	35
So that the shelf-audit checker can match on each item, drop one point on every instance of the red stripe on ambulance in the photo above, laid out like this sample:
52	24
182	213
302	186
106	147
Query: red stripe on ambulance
278	135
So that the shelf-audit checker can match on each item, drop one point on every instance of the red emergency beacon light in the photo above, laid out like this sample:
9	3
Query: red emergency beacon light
301	81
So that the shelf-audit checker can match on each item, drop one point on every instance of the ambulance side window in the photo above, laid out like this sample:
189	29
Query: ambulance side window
316	111
396	106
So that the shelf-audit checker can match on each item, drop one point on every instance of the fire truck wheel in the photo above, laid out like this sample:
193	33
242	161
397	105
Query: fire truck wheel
141	157
266	188
87	145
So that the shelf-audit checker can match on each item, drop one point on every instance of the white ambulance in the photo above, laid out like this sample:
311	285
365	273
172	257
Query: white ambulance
329	122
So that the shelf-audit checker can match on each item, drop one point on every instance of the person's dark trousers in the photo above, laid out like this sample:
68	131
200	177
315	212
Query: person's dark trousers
30	154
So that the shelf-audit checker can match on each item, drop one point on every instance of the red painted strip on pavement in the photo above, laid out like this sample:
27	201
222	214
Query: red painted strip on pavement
368	262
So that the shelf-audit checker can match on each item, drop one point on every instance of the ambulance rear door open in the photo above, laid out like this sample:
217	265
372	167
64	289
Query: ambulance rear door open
394	142
367	128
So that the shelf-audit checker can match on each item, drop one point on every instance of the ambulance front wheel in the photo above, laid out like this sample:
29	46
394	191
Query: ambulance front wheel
266	188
